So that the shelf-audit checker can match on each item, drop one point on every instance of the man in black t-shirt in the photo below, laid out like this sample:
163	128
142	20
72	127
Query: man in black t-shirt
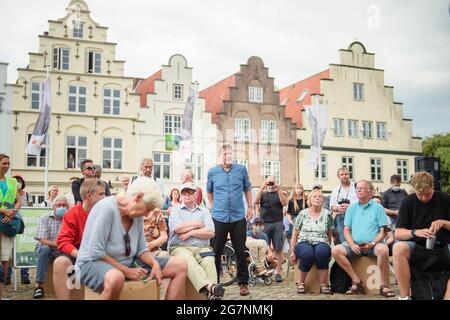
271	211
423	214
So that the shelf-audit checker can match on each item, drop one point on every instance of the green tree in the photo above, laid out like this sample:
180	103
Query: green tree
438	146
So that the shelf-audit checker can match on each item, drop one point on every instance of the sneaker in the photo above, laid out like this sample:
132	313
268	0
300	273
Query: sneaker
278	278
243	289
38	293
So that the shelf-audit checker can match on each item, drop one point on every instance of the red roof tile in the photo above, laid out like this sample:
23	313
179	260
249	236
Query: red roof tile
216	94
290	95
147	86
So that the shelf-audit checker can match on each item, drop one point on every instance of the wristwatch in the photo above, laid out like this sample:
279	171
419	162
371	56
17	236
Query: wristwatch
413	232
373	244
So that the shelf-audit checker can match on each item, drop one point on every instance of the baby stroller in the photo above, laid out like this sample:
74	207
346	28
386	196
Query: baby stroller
228	273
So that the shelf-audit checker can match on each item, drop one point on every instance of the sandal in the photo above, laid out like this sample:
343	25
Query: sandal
217	292
300	288
38	293
386	293
356	288
325	289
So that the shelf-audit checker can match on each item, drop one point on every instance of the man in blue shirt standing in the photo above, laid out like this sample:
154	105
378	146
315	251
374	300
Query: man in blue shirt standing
225	185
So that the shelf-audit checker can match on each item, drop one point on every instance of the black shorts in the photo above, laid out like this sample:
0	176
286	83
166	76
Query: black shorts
275	234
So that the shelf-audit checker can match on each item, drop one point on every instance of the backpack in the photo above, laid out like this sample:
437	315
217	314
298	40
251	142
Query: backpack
339	279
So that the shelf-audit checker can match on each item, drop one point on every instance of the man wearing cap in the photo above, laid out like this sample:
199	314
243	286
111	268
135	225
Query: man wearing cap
257	244
191	228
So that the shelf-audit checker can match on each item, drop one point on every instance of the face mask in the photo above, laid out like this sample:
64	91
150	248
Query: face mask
395	189
60	212
258	229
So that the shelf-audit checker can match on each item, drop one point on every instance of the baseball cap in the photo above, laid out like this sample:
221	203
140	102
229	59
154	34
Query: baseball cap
188	185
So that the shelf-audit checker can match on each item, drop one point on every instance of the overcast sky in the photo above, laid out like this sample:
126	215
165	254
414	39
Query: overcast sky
295	39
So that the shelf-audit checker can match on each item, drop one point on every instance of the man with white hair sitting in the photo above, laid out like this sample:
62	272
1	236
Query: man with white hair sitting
113	248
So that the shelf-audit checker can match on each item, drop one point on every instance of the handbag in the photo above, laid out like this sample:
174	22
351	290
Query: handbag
14	227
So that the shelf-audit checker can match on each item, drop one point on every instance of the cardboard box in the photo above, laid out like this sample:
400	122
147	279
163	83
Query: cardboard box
368	271
132	290
190	293
49	288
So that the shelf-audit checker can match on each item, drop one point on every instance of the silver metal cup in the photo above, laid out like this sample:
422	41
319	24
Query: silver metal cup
430	242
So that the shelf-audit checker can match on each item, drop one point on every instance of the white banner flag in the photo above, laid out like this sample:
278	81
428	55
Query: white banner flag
43	122
317	116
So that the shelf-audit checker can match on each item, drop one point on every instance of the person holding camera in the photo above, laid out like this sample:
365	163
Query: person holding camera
341	198
364	231
272	202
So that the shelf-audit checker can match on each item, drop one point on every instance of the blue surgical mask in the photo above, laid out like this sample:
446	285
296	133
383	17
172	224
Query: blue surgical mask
60	212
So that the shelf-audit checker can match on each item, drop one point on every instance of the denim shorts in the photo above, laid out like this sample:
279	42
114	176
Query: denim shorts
351	254
93	272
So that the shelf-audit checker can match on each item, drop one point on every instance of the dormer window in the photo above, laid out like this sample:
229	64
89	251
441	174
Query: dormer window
78	28
255	94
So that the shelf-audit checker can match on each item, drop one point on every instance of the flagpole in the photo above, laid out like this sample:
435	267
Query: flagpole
319	162
46	150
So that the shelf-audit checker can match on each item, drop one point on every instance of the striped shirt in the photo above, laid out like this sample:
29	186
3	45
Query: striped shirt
48	227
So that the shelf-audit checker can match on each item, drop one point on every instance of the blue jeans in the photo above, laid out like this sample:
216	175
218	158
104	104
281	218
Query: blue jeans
2	275
45	255
24	273
308	254
339	221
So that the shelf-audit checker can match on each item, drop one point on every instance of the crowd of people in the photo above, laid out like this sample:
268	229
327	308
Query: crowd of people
139	233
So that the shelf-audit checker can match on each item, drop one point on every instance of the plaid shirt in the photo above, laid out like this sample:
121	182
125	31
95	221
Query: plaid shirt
48	227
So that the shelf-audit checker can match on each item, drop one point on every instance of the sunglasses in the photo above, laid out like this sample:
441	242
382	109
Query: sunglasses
189	192
90	168
127	239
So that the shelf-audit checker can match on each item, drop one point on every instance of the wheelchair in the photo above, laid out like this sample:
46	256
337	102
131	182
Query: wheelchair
228	272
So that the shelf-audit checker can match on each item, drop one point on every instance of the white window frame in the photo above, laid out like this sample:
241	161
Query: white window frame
78	29
272	168
173	123
358	91
113	100
367	129
324	164
338	127
189	165
353	126
243	162
381	131
40	161
78	147
78	98
39	92
178	91
376	169
161	164
402	169
242	129
112	149
269	132
349	163
61	58
94	62
255	94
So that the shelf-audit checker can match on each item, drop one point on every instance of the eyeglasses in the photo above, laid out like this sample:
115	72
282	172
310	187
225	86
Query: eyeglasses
187	192
90	168
126	237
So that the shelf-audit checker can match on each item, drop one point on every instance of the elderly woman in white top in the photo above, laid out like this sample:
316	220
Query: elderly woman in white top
311	240
113	247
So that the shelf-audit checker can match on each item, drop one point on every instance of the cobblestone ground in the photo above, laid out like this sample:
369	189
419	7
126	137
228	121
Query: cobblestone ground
276	291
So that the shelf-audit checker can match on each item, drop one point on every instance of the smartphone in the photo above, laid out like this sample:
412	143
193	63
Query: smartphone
270	183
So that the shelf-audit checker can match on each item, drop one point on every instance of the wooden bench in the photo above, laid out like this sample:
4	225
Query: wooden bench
132	290
190	293
49	288
312	281
368	271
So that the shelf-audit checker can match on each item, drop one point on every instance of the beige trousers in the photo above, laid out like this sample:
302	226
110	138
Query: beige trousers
258	249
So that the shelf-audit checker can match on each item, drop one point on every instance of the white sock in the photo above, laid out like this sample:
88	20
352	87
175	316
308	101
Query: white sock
404	298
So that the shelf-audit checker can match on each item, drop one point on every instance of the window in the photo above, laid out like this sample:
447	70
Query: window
61	58
358	91
241	161
268	131
381	130
367	129
37	95
272	168
198	166
242	129
402	169
323	163
348	162
112	153
94	62
376	169
338	125
255	94
36	199
172	124
353	128
76	151
111	101
78	29
162	165
32	160
178	92
77	99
